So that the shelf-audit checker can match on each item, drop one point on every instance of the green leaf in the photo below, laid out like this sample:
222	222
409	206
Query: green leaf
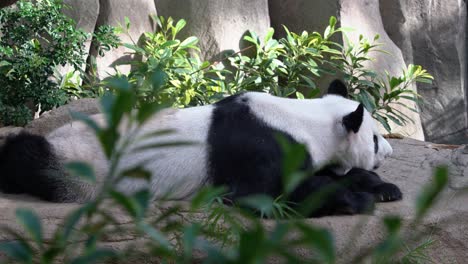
261	202
392	223
81	169
188	42
327	32
154	234
294	158
384	122
251	249
4	63
126	202
158	79
86	119
321	239
95	256
431	192
314	93
142	199
157	133
170	43
180	25
299	95
332	21
137	173
72	220
394	82
127	23
119	83
164	145
17	251
269	35
206	196
31	223
108	139
190	238
394	120
135	48
147	110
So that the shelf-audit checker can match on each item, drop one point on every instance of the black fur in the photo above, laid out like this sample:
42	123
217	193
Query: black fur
368	181
245	157
28	165
244	154
376	144
353	121
339	88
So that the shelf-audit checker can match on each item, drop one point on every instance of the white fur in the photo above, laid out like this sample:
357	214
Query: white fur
179	171
317	123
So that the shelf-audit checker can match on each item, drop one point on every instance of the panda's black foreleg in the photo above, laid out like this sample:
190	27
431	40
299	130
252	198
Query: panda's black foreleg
361	180
321	195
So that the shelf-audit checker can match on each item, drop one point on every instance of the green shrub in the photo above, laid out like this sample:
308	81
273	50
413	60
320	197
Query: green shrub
286	67
379	92
37	38
186	80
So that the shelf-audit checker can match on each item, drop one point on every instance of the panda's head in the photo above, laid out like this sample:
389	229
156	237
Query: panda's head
359	144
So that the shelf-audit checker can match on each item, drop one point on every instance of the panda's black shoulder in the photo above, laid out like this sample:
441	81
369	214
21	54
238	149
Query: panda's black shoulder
234	108
232	100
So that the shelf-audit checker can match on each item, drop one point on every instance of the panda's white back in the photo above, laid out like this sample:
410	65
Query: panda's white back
177	171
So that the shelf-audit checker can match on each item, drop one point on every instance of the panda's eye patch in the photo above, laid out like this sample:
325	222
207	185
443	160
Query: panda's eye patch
376	144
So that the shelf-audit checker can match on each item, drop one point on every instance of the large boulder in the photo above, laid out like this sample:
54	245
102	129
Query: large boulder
364	16
410	167
6	3
219	24
300	15
62	115
113	13
85	13
90	14
433	34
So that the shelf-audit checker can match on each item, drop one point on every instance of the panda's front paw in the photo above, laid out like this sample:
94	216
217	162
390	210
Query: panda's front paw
364	203
356	203
387	192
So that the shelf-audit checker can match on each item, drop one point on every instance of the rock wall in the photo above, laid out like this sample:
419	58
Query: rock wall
364	15
433	34
219	24
429	33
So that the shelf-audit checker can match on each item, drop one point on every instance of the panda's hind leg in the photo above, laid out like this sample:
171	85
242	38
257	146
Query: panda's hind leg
28	165
368	181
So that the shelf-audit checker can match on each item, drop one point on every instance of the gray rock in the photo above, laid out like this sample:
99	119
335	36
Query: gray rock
8	130
6	3
85	13
113	13
60	116
433	34
300	15
219	24
364	16
410	167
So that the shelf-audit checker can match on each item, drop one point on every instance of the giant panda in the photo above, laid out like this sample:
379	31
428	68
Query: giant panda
236	147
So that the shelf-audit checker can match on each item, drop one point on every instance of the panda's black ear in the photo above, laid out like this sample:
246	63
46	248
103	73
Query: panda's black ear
353	121
339	88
